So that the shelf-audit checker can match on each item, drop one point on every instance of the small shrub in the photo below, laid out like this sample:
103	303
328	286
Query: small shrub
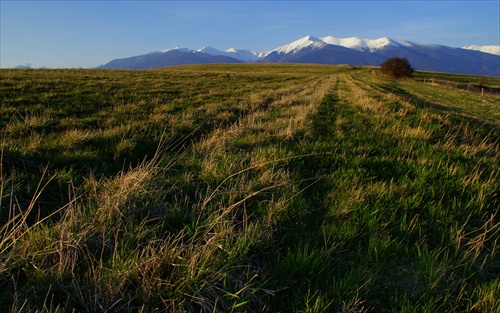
397	68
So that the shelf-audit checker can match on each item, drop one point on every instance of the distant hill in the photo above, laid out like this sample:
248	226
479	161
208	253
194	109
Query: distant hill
168	58
472	60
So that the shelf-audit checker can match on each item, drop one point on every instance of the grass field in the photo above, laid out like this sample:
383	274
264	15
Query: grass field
247	188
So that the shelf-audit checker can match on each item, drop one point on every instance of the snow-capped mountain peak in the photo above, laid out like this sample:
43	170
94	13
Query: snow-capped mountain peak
297	45
210	50
380	43
180	49
360	44
241	55
333	50
363	44
314	43
485	49
352	42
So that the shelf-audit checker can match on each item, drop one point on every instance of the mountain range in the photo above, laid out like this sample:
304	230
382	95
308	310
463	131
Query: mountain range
473	60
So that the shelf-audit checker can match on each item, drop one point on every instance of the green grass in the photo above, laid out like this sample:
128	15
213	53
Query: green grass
247	188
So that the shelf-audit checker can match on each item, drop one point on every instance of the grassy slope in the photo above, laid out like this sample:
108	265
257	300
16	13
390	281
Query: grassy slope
274	188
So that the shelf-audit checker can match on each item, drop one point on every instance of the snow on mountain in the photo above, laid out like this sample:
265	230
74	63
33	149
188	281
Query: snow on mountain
485	49
315	43
180	49
296	46
356	43
360	44
333	50
241	55
210	50
359	51
352	42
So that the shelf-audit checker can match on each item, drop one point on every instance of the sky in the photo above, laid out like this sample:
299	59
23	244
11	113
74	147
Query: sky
69	33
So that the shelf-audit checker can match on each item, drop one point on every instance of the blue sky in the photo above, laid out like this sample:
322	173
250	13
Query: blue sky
91	33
